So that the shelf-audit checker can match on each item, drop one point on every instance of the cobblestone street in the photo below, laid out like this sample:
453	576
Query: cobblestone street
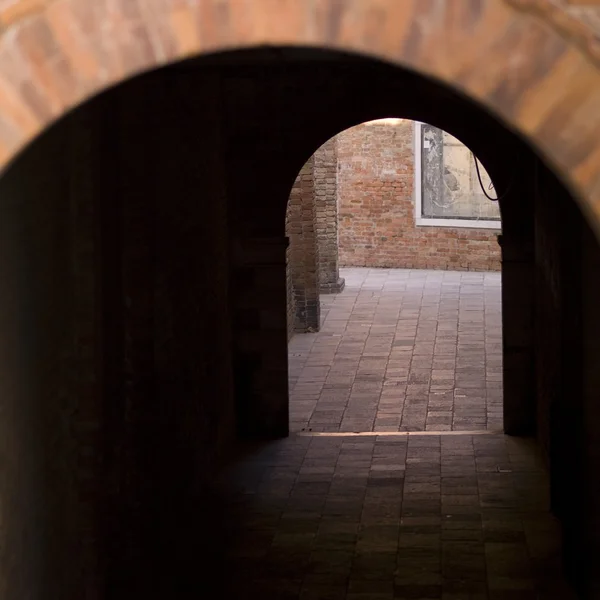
413	507
392	517
401	350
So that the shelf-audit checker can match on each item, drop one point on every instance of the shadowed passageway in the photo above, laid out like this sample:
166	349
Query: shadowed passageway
148	150
383	517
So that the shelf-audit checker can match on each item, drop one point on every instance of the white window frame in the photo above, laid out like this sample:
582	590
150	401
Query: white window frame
422	221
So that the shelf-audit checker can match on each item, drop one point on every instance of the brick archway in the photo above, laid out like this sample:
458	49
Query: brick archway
532	64
87	508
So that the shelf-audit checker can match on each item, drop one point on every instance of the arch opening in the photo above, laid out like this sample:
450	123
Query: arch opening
399	226
152	259
528	93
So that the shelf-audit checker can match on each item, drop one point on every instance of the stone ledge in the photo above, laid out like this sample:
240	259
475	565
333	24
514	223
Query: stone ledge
333	288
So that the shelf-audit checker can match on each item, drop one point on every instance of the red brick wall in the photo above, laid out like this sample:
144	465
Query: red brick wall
326	215
376	208
302	255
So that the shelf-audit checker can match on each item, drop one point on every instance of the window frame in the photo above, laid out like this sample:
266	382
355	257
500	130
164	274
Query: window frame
420	220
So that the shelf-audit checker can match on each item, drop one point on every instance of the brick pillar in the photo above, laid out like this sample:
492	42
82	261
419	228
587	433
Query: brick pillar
518	335
260	343
291	302
326	212
303	251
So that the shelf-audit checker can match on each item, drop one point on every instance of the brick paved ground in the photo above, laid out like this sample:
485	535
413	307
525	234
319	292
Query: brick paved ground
405	516
402	350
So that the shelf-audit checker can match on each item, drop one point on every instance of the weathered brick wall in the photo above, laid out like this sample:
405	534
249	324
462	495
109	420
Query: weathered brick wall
376	208
291	305
326	214
303	253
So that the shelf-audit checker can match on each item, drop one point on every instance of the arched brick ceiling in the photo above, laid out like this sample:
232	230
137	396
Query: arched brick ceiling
534	63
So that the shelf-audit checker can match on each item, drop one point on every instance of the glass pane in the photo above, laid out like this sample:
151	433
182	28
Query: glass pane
450	187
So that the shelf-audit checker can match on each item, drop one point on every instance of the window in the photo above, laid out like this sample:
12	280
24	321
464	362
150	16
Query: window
447	189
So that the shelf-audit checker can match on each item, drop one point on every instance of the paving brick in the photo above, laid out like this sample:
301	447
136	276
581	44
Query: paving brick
401	350
416	538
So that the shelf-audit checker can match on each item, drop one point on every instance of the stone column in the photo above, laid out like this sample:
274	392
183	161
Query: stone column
326	211
518	335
